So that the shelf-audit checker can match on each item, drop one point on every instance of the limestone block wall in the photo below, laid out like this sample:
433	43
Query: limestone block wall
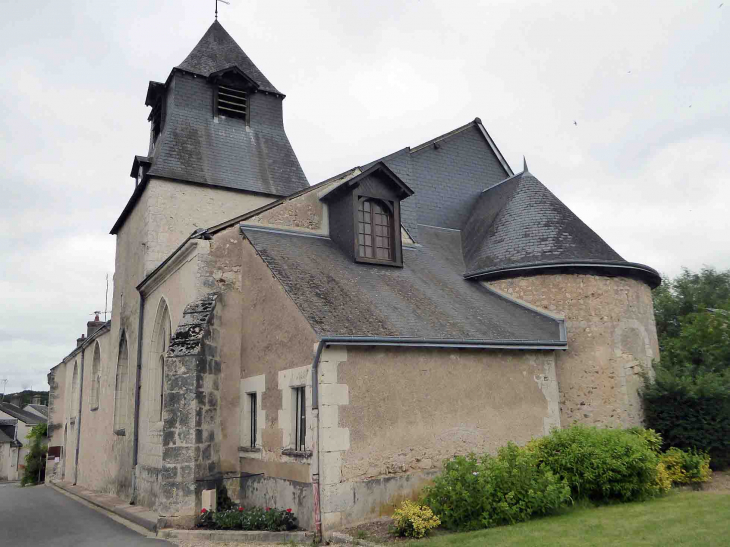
612	340
191	413
390	416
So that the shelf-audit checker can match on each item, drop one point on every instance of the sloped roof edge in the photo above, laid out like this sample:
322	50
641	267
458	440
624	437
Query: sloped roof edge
646	273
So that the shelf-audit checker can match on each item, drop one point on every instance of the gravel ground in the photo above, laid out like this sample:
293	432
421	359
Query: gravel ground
185	543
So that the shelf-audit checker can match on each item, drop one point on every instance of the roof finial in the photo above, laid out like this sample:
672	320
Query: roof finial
524	167
216	7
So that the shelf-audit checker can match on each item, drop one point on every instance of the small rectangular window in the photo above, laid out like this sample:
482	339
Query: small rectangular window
300	419
232	103
252	414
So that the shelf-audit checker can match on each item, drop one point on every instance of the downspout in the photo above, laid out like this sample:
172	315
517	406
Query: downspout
315	409
78	418
137	388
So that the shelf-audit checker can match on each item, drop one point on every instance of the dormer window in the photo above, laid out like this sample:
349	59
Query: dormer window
232	103
375	236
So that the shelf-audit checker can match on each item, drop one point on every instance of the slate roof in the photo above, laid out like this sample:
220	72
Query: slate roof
216	51
520	224
20	414
43	409
4	437
426	299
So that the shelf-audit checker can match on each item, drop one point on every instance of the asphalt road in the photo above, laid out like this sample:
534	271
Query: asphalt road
39	515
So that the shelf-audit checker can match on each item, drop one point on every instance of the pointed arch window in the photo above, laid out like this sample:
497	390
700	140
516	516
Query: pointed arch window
158	348
375	234
95	378
121	389
74	391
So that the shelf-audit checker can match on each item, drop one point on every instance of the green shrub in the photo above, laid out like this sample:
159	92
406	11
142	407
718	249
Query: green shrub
475	493
650	437
601	465
255	518
413	520
35	459
686	467
691	411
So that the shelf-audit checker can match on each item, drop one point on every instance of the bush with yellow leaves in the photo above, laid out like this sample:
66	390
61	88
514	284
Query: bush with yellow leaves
663	479
413	520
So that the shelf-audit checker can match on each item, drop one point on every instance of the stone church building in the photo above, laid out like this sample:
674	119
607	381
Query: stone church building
326	347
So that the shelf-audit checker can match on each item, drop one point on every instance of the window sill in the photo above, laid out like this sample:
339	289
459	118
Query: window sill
296	453
93	409
120	432
249	449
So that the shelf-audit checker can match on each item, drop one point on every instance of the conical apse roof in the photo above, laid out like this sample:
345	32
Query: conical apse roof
216	51
520	225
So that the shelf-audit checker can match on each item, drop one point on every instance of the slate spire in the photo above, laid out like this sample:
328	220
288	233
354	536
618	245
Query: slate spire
217	50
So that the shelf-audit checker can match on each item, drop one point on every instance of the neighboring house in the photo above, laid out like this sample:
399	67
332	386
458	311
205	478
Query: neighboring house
333	342
15	424
35	407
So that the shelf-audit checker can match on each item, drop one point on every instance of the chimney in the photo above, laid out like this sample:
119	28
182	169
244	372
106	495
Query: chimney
16	399
36	400
80	341
93	326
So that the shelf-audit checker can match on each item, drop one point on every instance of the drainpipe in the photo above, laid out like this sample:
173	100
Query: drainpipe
137	388
315	411
78	418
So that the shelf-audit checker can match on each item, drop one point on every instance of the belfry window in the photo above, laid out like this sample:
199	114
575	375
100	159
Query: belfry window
375	239
232	103
155	118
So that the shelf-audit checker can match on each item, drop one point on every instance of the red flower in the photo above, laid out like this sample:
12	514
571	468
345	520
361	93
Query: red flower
203	511
240	508
268	508
288	510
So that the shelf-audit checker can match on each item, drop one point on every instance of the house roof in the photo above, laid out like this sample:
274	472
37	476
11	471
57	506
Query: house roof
520	225
217	51
426	299
20	414
5	436
43	409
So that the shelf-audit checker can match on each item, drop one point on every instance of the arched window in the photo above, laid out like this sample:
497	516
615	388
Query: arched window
74	391
121	390
375	230
158	348
95	378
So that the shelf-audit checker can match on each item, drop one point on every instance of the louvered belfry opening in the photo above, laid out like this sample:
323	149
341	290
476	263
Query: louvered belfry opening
232	103
155	118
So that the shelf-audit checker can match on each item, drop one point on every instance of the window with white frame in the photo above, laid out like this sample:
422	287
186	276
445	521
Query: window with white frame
252	417
300	418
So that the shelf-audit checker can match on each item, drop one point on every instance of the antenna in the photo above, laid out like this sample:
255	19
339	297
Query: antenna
106	296
216	7
5	384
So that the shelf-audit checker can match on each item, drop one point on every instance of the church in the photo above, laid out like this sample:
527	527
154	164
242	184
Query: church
327	346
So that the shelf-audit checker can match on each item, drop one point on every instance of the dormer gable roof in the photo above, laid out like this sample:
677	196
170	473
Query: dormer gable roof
217	51
400	188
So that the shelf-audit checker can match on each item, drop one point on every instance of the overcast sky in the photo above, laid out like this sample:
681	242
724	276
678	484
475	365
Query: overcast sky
648	83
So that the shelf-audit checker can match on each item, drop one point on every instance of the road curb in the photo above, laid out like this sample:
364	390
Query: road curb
121	511
235	536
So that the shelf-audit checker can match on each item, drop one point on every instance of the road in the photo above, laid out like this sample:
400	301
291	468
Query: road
39	515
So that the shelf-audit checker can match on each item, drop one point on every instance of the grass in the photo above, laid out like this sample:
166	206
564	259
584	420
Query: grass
681	518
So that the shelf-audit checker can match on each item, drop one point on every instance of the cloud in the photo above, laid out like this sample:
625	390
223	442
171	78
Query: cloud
363	79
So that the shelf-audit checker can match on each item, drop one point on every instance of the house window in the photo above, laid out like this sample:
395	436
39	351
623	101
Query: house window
375	230
121	390
232	103
95	378
300	419
252	418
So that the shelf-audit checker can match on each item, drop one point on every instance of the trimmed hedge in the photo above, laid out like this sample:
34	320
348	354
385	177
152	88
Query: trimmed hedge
691	412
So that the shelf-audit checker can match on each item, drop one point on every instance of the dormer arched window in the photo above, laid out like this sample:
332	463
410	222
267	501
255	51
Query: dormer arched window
375	229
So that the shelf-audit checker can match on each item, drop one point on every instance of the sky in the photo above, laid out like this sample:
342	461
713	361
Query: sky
622	109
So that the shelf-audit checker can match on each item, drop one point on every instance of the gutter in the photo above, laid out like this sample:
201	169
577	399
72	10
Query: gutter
391	341
78	420
137	388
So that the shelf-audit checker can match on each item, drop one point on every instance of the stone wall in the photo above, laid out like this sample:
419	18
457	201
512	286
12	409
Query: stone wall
191	413
612	340
390	416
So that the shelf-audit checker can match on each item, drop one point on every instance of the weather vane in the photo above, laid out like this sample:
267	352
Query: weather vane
216	7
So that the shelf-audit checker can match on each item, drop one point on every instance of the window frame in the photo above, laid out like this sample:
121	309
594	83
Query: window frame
231	87
394	207
299	431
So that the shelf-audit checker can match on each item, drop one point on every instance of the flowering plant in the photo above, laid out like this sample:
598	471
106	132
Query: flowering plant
254	518
413	520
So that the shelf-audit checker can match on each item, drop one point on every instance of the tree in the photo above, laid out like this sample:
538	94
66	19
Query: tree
35	460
